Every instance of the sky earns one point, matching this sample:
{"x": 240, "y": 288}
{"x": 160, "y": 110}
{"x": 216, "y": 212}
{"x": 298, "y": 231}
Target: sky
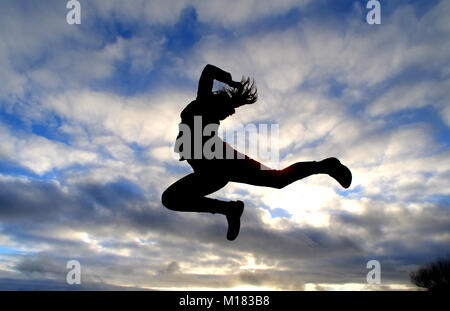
{"x": 89, "y": 114}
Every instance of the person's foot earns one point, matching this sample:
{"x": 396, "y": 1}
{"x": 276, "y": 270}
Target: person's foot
{"x": 340, "y": 172}
{"x": 234, "y": 219}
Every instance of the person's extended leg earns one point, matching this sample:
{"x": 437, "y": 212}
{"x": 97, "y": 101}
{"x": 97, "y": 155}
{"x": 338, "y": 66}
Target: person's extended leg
{"x": 188, "y": 195}
{"x": 249, "y": 171}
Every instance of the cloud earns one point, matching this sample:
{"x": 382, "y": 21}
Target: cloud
{"x": 60, "y": 222}
{"x": 413, "y": 96}
{"x": 145, "y": 120}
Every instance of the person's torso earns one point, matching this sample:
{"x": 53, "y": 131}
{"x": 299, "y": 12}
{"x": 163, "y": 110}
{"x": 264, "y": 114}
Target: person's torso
{"x": 200, "y": 119}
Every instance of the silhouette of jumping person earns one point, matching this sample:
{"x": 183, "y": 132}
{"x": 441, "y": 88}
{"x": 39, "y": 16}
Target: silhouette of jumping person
{"x": 211, "y": 174}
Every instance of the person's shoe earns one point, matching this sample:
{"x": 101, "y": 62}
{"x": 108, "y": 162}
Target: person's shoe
{"x": 340, "y": 172}
{"x": 234, "y": 219}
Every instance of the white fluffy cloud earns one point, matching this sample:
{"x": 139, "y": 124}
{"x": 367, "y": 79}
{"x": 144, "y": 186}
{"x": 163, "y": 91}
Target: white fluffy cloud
{"x": 144, "y": 120}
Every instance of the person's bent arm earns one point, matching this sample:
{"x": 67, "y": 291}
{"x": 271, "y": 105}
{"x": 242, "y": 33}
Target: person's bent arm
{"x": 211, "y": 73}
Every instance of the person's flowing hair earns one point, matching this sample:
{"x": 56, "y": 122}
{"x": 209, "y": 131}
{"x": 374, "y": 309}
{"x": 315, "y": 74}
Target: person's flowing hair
{"x": 246, "y": 94}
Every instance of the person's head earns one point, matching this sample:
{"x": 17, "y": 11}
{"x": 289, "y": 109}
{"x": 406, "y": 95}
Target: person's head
{"x": 229, "y": 98}
{"x": 245, "y": 94}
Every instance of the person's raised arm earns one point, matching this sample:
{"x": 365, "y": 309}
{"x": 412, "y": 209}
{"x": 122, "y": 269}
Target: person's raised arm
{"x": 209, "y": 74}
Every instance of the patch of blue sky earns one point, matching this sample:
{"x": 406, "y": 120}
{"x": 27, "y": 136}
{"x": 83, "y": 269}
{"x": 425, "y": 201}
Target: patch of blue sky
{"x": 48, "y": 128}
{"x": 335, "y": 88}
{"x": 440, "y": 199}
{"x": 427, "y": 113}
{"x": 391, "y": 197}
{"x": 423, "y": 115}
{"x": 185, "y": 33}
{"x": 179, "y": 39}
{"x": 10, "y": 118}
{"x": 9, "y": 168}
{"x": 80, "y": 169}
{"x": 126, "y": 189}
{"x": 297, "y": 146}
